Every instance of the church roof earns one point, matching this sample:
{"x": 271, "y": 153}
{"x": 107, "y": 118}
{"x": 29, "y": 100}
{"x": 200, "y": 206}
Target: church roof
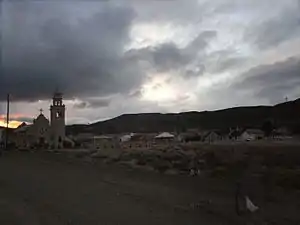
{"x": 41, "y": 117}
{"x": 23, "y": 128}
{"x": 22, "y": 125}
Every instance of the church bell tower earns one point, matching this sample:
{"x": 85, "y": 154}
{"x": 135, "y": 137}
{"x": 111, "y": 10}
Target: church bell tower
{"x": 57, "y": 123}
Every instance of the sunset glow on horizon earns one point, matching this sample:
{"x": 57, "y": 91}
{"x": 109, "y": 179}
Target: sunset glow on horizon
{"x": 11, "y": 124}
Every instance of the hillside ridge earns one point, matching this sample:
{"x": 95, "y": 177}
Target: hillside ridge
{"x": 284, "y": 114}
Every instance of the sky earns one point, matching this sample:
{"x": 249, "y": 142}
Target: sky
{"x": 114, "y": 57}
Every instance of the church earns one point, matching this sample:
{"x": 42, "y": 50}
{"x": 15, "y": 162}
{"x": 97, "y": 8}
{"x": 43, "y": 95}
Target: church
{"x": 43, "y": 133}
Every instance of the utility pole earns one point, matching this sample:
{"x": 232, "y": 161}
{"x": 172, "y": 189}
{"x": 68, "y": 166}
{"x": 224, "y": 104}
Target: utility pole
{"x": 7, "y": 122}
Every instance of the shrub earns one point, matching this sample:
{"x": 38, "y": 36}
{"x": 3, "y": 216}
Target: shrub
{"x": 161, "y": 165}
{"x": 81, "y": 154}
{"x": 141, "y": 162}
{"x": 182, "y": 165}
{"x": 67, "y": 144}
{"x": 219, "y": 172}
{"x": 288, "y": 179}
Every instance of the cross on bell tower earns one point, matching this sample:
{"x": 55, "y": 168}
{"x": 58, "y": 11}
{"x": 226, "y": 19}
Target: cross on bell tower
{"x": 57, "y": 111}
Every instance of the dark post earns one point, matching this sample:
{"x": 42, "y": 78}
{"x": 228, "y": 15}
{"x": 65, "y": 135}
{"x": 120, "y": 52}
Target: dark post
{"x": 7, "y": 122}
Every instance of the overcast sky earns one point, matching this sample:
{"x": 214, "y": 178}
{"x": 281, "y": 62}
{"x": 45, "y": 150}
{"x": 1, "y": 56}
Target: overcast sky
{"x": 116, "y": 57}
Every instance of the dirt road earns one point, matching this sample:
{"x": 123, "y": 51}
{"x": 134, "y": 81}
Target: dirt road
{"x": 43, "y": 188}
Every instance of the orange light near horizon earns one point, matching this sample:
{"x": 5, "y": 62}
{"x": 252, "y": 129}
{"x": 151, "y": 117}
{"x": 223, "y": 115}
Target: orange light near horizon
{"x": 11, "y": 124}
{"x": 14, "y": 122}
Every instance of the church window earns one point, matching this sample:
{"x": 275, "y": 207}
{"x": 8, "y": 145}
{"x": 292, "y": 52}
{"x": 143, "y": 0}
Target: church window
{"x": 57, "y": 114}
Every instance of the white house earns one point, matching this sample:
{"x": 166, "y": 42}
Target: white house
{"x": 164, "y": 139}
{"x": 126, "y": 137}
{"x": 137, "y": 141}
{"x": 165, "y": 135}
{"x": 251, "y": 135}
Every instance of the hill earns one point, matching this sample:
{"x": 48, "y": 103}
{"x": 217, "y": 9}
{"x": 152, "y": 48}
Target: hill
{"x": 285, "y": 114}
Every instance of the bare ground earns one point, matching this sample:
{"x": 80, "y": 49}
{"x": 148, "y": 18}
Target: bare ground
{"x": 47, "y": 188}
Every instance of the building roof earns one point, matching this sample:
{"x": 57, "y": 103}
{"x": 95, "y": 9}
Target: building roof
{"x": 254, "y": 131}
{"x": 126, "y": 137}
{"x": 102, "y": 137}
{"x": 22, "y": 128}
{"x": 165, "y": 135}
{"x": 235, "y": 133}
{"x": 137, "y": 137}
{"x": 22, "y": 125}
{"x": 41, "y": 117}
{"x": 281, "y": 131}
{"x": 207, "y": 133}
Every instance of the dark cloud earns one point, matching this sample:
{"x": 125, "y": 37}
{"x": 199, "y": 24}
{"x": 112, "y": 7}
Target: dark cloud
{"x": 228, "y": 63}
{"x": 272, "y": 32}
{"x": 80, "y": 47}
{"x": 223, "y": 60}
{"x": 93, "y": 103}
{"x": 136, "y": 93}
{"x": 180, "y": 13}
{"x": 2, "y": 108}
{"x": 81, "y": 105}
{"x": 169, "y": 57}
{"x": 194, "y": 70}
{"x": 273, "y": 82}
{"x": 82, "y": 58}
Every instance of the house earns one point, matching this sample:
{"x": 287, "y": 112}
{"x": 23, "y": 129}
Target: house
{"x": 137, "y": 141}
{"x": 251, "y": 135}
{"x": 126, "y": 137}
{"x": 164, "y": 138}
{"x": 7, "y": 133}
{"x": 84, "y": 140}
{"x": 105, "y": 142}
{"x": 235, "y": 133}
{"x": 223, "y": 133}
{"x": 211, "y": 136}
{"x": 281, "y": 133}
{"x": 189, "y": 137}
{"x": 23, "y": 137}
